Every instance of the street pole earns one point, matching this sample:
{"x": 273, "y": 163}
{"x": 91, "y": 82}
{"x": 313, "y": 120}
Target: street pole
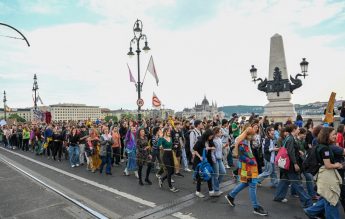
{"x": 5, "y": 104}
{"x": 138, "y": 35}
{"x": 35, "y": 88}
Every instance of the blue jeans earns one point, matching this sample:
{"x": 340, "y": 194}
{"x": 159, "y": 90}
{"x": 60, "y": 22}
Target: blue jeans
{"x": 73, "y": 152}
{"x": 219, "y": 172}
{"x": 105, "y": 160}
{"x": 310, "y": 184}
{"x": 322, "y": 205}
{"x": 252, "y": 191}
{"x": 269, "y": 171}
{"x": 287, "y": 178}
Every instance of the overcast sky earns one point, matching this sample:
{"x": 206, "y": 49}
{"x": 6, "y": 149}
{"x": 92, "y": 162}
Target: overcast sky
{"x": 78, "y": 50}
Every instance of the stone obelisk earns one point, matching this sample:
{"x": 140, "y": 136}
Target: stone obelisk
{"x": 279, "y": 107}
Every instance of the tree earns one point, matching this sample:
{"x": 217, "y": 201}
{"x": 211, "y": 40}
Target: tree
{"x": 17, "y": 117}
{"x": 114, "y": 118}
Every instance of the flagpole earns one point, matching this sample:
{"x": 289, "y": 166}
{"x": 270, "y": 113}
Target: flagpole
{"x": 146, "y": 70}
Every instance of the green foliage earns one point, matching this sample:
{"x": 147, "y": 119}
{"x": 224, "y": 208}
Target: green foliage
{"x": 114, "y": 118}
{"x": 17, "y": 117}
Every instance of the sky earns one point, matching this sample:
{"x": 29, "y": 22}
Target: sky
{"x": 79, "y": 50}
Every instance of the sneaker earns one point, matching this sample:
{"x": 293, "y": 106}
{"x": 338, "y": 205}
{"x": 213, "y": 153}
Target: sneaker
{"x": 173, "y": 189}
{"x": 136, "y": 174}
{"x": 179, "y": 174}
{"x": 187, "y": 169}
{"x": 172, "y": 181}
{"x": 218, "y": 193}
{"x": 158, "y": 176}
{"x": 230, "y": 200}
{"x": 227, "y": 166}
{"x": 160, "y": 182}
{"x": 77, "y": 165}
{"x": 199, "y": 194}
{"x": 73, "y": 166}
{"x": 125, "y": 172}
{"x": 310, "y": 216}
{"x": 260, "y": 211}
{"x": 211, "y": 194}
{"x": 282, "y": 201}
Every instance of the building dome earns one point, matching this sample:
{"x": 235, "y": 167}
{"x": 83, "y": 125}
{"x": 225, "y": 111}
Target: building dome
{"x": 205, "y": 102}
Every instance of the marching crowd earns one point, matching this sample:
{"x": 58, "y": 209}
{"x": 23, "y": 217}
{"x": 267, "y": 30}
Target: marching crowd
{"x": 254, "y": 149}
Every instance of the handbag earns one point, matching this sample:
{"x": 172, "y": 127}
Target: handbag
{"x": 204, "y": 168}
{"x": 282, "y": 159}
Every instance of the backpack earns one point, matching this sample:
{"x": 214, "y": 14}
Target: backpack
{"x": 266, "y": 146}
{"x": 312, "y": 162}
{"x": 203, "y": 169}
{"x": 282, "y": 159}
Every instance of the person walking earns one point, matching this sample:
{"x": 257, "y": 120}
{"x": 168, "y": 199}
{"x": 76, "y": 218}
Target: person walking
{"x": 143, "y": 156}
{"x": 204, "y": 143}
{"x": 292, "y": 175}
{"x": 131, "y": 148}
{"x": 217, "y": 163}
{"x": 73, "y": 149}
{"x": 248, "y": 172}
{"x": 106, "y": 152}
{"x": 165, "y": 142}
{"x": 116, "y": 147}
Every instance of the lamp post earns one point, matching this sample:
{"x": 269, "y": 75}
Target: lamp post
{"x": 138, "y": 35}
{"x": 34, "y": 89}
{"x": 5, "y": 100}
{"x": 278, "y": 84}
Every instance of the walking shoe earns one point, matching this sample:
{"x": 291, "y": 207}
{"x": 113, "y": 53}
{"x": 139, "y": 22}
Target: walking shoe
{"x": 218, "y": 193}
{"x": 227, "y": 166}
{"x": 160, "y": 182}
{"x": 77, "y": 165}
{"x": 212, "y": 194}
{"x": 173, "y": 189}
{"x": 125, "y": 172}
{"x": 282, "y": 201}
{"x": 73, "y": 166}
{"x": 172, "y": 181}
{"x": 158, "y": 176}
{"x": 179, "y": 174}
{"x": 141, "y": 182}
{"x": 187, "y": 169}
{"x": 136, "y": 174}
{"x": 230, "y": 200}
{"x": 260, "y": 211}
{"x": 148, "y": 181}
{"x": 310, "y": 216}
{"x": 199, "y": 194}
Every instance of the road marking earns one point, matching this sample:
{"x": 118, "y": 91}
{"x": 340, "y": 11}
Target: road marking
{"x": 183, "y": 216}
{"x": 91, "y": 211}
{"x": 93, "y": 183}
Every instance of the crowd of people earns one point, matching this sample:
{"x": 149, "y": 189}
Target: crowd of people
{"x": 251, "y": 150}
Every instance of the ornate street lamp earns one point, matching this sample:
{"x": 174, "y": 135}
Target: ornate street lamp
{"x": 278, "y": 84}
{"x": 34, "y": 89}
{"x": 5, "y": 100}
{"x": 138, "y": 36}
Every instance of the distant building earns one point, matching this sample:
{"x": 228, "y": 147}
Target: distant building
{"x": 25, "y": 113}
{"x": 148, "y": 113}
{"x": 75, "y": 112}
{"x": 201, "y": 110}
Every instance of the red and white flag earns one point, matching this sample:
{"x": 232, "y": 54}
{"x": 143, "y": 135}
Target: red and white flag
{"x": 156, "y": 103}
{"x": 151, "y": 68}
{"x": 131, "y": 78}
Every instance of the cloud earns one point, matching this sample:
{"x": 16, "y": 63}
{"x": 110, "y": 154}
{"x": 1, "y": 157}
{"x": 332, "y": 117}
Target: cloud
{"x": 86, "y": 62}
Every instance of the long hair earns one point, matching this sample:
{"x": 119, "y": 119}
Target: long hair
{"x": 323, "y": 137}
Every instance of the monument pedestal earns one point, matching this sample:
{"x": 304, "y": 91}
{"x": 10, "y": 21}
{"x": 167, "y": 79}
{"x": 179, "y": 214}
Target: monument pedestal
{"x": 279, "y": 107}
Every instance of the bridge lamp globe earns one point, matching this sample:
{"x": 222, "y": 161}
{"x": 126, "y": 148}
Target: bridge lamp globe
{"x": 254, "y": 72}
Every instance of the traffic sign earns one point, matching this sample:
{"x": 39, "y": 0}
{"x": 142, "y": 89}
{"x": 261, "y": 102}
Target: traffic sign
{"x": 140, "y": 102}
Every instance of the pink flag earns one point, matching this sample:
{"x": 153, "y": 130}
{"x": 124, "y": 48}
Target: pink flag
{"x": 151, "y": 68}
{"x": 131, "y": 78}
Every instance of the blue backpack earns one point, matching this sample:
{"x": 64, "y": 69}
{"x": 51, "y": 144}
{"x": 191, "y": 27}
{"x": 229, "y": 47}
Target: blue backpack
{"x": 204, "y": 169}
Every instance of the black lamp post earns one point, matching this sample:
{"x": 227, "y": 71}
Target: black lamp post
{"x": 34, "y": 89}
{"x": 278, "y": 84}
{"x": 5, "y": 100}
{"x": 138, "y": 35}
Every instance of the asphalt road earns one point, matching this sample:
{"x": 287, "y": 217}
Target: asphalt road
{"x": 117, "y": 196}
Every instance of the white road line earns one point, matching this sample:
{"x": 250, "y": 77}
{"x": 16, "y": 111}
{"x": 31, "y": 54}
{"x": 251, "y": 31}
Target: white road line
{"x": 93, "y": 183}
{"x": 183, "y": 216}
{"x": 91, "y": 211}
